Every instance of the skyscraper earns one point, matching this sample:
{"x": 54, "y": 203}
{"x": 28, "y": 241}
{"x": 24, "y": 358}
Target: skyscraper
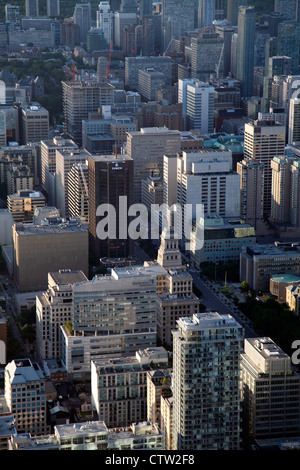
{"x": 180, "y": 15}
{"x": 200, "y": 107}
{"x": 206, "y": 13}
{"x": 53, "y": 8}
{"x": 110, "y": 178}
{"x": 206, "y": 383}
{"x": 286, "y": 43}
{"x": 263, "y": 140}
{"x": 32, "y": 7}
{"x": 105, "y": 20}
{"x": 83, "y": 17}
{"x": 251, "y": 173}
{"x": 233, "y": 10}
{"x": 245, "y": 49}
{"x": 294, "y": 121}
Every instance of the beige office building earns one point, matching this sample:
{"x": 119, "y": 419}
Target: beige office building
{"x": 270, "y": 391}
{"x": 35, "y": 123}
{"x": 23, "y": 204}
{"x": 40, "y": 249}
{"x": 147, "y": 148}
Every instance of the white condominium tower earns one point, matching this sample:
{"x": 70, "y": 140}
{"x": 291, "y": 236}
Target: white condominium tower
{"x": 105, "y": 20}
{"x": 206, "y": 383}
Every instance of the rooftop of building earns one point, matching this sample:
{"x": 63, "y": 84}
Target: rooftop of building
{"x": 83, "y": 429}
{"x": 23, "y": 370}
{"x": 267, "y": 348}
{"x": 67, "y": 277}
{"x": 24, "y": 194}
{"x": 111, "y": 158}
{"x": 207, "y": 320}
{"x": 285, "y": 278}
{"x": 50, "y": 226}
{"x": 276, "y": 249}
{"x": 140, "y": 429}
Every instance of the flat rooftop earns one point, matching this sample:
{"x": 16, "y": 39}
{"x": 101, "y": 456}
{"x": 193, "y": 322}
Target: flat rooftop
{"x": 66, "y": 277}
{"x": 51, "y": 228}
{"x": 84, "y": 429}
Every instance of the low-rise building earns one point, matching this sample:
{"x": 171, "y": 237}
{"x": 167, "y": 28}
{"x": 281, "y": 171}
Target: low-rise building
{"x": 258, "y": 263}
{"x": 223, "y": 239}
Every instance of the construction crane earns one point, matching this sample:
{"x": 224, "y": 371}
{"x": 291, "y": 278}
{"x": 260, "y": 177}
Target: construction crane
{"x": 218, "y": 65}
{"x": 71, "y": 72}
{"x": 109, "y": 61}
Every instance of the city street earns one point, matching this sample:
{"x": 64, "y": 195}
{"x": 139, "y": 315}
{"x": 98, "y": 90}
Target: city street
{"x": 216, "y": 302}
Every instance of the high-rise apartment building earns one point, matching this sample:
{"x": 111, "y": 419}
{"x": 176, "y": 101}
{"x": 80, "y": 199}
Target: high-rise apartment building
{"x": 80, "y": 98}
{"x": 271, "y": 391}
{"x": 245, "y": 49}
{"x": 110, "y": 179}
{"x": 65, "y": 159}
{"x": 294, "y": 122}
{"x": 53, "y": 309}
{"x": 280, "y": 191}
{"x": 53, "y": 8}
{"x": 78, "y": 196}
{"x": 207, "y": 56}
{"x": 25, "y": 396}
{"x": 147, "y": 148}
{"x": 251, "y": 173}
{"x": 105, "y": 20}
{"x": 206, "y": 383}
{"x": 32, "y": 7}
{"x": 83, "y": 17}
{"x": 262, "y": 141}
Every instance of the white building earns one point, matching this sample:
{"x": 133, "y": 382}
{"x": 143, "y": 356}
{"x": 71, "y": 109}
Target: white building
{"x": 26, "y": 396}
{"x": 197, "y": 100}
{"x": 53, "y": 309}
{"x": 113, "y": 315}
{"x": 105, "y": 20}
{"x": 206, "y": 383}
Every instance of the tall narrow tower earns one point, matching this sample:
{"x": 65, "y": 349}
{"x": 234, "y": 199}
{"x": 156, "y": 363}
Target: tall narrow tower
{"x": 206, "y": 383}
{"x": 245, "y": 49}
